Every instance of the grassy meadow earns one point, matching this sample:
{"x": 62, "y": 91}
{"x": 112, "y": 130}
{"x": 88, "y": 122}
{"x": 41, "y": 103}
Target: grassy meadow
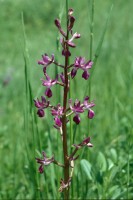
{"x": 102, "y": 172}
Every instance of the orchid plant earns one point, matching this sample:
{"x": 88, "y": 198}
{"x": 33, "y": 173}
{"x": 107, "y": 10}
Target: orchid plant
{"x": 61, "y": 113}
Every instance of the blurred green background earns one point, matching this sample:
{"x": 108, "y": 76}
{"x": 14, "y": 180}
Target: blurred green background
{"x": 105, "y": 171}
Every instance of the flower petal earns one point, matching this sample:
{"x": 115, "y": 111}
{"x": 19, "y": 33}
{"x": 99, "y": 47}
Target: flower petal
{"x": 41, "y": 113}
{"x": 76, "y": 119}
{"x": 91, "y": 114}
{"x": 48, "y": 92}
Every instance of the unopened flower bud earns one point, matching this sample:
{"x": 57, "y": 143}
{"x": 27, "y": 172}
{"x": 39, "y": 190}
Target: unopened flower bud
{"x": 70, "y": 11}
{"x": 57, "y": 23}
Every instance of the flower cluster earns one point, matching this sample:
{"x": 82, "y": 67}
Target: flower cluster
{"x": 57, "y": 111}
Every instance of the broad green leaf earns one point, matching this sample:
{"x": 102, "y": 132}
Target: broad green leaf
{"x": 114, "y": 170}
{"x": 110, "y": 163}
{"x": 86, "y": 167}
{"x": 113, "y": 154}
{"x": 101, "y": 162}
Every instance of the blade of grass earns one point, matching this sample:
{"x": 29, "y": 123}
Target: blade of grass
{"x": 28, "y": 118}
{"x": 99, "y": 46}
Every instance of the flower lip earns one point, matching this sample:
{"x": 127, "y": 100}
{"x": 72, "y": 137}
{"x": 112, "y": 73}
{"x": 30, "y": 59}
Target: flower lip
{"x": 58, "y": 122}
{"x": 48, "y": 92}
{"x": 76, "y": 119}
{"x": 40, "y": 113}
{"x": 91, "y": 114}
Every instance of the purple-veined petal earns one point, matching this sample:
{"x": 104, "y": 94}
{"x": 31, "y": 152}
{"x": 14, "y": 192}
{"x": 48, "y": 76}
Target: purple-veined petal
{"x": 79, "y": 62}
{"x": 71, "y": 44}
{"x": 86, "y": 99}
{"x": 77, "y": 35}
{"x": 89, "y": 64}
{"x": 41, "y": 62}
{"x": 46, "y": 59}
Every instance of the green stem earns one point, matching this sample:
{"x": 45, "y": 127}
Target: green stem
{"x": 91, "y": 46}
{"x": 91, "y": 37}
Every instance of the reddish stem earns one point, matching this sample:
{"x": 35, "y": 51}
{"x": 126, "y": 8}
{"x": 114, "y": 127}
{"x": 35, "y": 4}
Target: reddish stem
{"x": 64, "y": 120}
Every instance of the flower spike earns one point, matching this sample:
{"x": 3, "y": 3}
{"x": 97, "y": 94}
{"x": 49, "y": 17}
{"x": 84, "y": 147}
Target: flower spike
{"x": 61, "y": 111}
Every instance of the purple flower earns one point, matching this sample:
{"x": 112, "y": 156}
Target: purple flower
{"x": 48, "y": 83}
{"x": 74, "y": 36}
{"x": 41, "y": 105}
{"x": 77, "y": 108}
{"x": 81, "y": 64}
{"x": 44, "y": 162}
{"x": 40, "y": 113}
{"x": 64, "y": 185}
{"x": 87, "y": 106}
{"x": 57, "y": 111}
{"x": 76, "y": 119}
{"x": 46, "y": 60}
{"x": 58, "y": 123}
{"x": 85, "y": 142}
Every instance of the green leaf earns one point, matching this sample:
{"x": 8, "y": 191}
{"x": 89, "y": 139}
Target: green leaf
{"x": 114, "y": 170}
{"x": 110, "y": 163}
{"x": 113, "y": 154}
{"x": 101, "y": 162}
{"x": 86, "y": 168}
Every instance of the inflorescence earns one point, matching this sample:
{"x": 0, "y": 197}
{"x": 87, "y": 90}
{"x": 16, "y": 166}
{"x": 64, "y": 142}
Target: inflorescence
{"x": 75, "y": 108}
